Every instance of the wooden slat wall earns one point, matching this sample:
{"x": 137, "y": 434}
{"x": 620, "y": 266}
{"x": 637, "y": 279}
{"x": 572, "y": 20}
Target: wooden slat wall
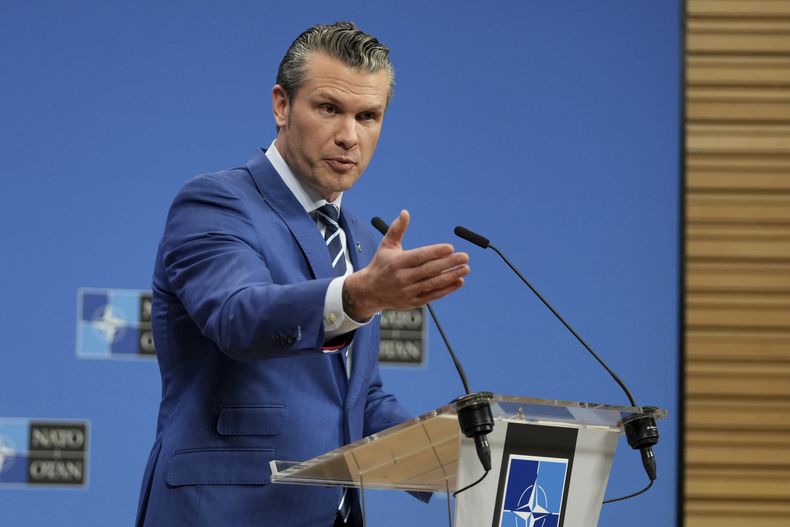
{"x": 737, "y": 412}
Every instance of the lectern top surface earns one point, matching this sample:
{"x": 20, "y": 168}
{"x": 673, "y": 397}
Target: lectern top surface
{"x": 421, "y": 454}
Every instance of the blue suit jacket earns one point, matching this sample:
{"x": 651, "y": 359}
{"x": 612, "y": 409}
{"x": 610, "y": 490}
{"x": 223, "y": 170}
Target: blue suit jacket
{"x": 239, "y": 288}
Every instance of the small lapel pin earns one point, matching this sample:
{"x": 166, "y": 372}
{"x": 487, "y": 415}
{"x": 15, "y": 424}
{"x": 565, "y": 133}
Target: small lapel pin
{"x": 359, "y": 247}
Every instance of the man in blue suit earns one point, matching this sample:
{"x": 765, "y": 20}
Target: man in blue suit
{"x": 266, "y": 294}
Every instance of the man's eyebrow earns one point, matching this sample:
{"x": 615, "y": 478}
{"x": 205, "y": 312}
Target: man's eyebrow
{"x": 326, "y": 96}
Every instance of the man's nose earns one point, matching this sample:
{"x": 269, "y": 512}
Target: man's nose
{"x": 346, "y": 134}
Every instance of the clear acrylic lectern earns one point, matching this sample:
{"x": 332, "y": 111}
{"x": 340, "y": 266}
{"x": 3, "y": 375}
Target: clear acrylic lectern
{"x": 550, "y": 461}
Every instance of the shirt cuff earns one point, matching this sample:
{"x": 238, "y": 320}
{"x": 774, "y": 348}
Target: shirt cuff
{"x": 336, "y": 321}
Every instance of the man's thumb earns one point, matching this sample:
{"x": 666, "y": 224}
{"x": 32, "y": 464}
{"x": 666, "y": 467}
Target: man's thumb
{"x": 398, "y": 228}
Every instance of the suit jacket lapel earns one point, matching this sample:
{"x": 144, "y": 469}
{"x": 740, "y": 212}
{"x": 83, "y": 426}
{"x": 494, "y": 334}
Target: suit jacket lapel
{"x": 284, "y": 203}
{"x": 350, "y": 224}
{"x": 360, "y": 256}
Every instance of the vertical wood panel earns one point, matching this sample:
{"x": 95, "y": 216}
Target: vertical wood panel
{"x": 737, "y": 269}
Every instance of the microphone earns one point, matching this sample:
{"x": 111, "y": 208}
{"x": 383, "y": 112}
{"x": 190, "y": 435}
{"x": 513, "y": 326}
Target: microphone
{"x": 380, "y": 225}
{"x": 466, "y": 234}
{"x": 640, "y": 429}
{"x": 473, "y": 409}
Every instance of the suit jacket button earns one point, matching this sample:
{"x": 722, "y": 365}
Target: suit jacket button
{"x": 291, "y": 339}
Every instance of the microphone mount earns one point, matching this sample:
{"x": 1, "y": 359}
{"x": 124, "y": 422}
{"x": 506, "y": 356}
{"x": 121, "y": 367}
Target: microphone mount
{"x": 476, "y": 422}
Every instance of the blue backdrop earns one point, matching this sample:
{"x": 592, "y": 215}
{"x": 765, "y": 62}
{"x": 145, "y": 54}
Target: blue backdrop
{"x": 552, "y": 127}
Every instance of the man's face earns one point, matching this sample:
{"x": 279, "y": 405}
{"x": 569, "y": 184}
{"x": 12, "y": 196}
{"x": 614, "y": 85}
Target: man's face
{"x": 329, "y": 130}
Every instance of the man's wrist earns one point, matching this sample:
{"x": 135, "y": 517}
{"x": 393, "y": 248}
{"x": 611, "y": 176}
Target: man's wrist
{"x": 354, "y": 299}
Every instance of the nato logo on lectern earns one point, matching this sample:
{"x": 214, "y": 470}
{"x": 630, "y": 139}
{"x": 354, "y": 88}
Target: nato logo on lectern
{"x": 114, "y": 323}
{"x": 36, "y": 453}
{"x": 534, "y": 489}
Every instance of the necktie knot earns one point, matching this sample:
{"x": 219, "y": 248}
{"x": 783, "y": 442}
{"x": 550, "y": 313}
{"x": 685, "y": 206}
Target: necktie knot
{"x": 328, "y": 214}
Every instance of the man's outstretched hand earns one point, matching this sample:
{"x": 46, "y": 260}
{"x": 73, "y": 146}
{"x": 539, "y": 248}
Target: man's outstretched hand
{"x": 400, "y": 279}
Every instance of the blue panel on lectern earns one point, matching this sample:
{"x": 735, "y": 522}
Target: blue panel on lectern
{"x": 533, "y": 493}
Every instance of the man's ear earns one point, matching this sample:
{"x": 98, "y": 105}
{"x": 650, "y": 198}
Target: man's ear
{"x": 280, "y": 105}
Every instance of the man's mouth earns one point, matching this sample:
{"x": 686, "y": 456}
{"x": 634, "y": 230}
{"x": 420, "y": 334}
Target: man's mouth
{"x": 341, "y": 164}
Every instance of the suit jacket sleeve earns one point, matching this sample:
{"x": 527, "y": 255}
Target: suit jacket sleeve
{"x": 214, "y": 254}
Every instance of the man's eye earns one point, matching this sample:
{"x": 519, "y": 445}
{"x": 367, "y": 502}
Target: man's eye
{"x": 366, "y": 116}
{"x": 328, "y": 108}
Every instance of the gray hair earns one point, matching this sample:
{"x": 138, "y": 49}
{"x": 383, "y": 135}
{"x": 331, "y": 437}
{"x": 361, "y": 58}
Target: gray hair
{"x": 341, "y": 40}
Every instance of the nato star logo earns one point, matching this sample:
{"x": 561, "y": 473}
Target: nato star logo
{"x": 109, "y": 323}
{"x": 534, "y": 511}
{"x": 534, "y": 491}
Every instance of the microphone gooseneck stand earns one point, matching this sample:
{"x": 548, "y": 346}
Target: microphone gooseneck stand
{"x": 640, "y": 428}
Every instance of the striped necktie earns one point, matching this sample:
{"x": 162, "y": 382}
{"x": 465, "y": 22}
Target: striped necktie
{"x": 330, "y": 215}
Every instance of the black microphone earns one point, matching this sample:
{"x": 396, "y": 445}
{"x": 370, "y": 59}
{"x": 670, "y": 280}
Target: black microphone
{"x": 380, "y": 225}
{"x": 466, "y": 234}
{"x": 474, "y": 410}
{"x": 640, "y": 429}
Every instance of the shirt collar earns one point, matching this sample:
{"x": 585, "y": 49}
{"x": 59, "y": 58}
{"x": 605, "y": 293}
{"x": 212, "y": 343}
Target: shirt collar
{"x": 307, "y": 197}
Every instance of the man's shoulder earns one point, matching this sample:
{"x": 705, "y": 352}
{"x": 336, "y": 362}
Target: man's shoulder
{"x": 243, "y": 180}
{"x": 232, "y": 179}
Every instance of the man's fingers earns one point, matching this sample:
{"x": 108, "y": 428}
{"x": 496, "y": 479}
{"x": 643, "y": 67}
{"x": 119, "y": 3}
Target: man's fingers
{"x": 394, "y": 235}
{"x": 436, "y": 282}
{"x": 436, "y": 294}
{"x": 435, "y": 267}
{"x": 421, "y": 255}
